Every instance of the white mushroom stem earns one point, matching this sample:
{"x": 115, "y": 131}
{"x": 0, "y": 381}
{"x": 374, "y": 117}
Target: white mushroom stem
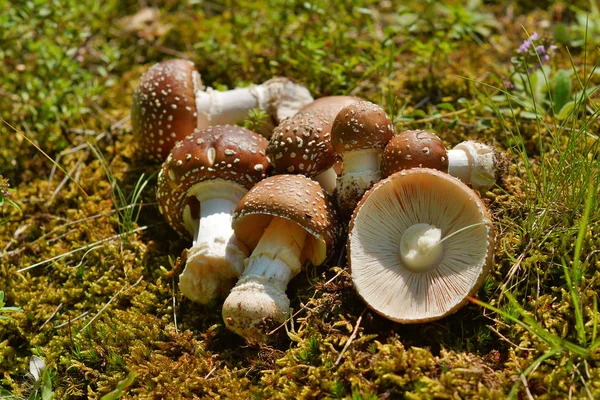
{"x": 216, "y": 258}
{"x": 421, "y": 247}
{"x": 327, "y": 180}
{"x": 473, "y": 163}
{"x": 259, "y": 296}
{"x": 279, "y": 97}
{"x": 361, "y": 170}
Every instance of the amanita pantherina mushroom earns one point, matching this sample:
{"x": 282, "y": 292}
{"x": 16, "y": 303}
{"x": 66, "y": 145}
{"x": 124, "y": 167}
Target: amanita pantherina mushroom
{"x": 474, "y": 163}
{"x": 359, "y": 134}
{"x": 285, "y": 220}
{"x": 170, "y": 102}
{"x": 302, "y": 144}
{"x": 200, "y": 183}
{"x": 420, "y": 241}
{"x": 414, "y": 149}
{"x": 164, "y": 107}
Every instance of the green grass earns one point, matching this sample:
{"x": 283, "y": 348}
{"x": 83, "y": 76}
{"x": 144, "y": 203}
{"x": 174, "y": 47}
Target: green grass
{"x": 88, "y": 261}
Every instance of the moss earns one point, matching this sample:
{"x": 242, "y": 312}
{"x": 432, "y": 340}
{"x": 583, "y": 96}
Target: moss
{"x": 128, "y": 284}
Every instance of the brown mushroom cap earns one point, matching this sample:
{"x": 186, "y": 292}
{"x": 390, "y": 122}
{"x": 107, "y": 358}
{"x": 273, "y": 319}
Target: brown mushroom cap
{"x": 164, "y": 107}
{"x": 302, "y": 144}
{"x": 329, "y": 106}
{"x": 361, "y": 125}
{"x": 295, "y": 198}
{"x": 225, "y": 152}
{"x": 382, "y": 277}
{"x": 414, "y": 149}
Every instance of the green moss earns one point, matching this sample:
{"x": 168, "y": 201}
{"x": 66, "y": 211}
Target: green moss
{"x": 128, "y": 287}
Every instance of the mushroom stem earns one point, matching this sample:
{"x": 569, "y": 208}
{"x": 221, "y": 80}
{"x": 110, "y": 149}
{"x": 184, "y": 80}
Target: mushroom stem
{"x": 421, "y": 247}
{"x": 474, "y": 163}
{"x": 259, "y": 296}
{"x": 361, "y": 170}
{"x": 279, "y": 97}
{"x": 327, "y": 179}
{"x": 216, "y": 258}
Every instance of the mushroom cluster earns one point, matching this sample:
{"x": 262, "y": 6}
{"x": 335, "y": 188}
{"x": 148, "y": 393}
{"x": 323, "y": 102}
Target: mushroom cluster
{"x": 258, "y": 210}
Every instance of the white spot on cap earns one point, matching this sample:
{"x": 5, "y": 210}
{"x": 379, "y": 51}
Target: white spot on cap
{"x": 211, "y": 154}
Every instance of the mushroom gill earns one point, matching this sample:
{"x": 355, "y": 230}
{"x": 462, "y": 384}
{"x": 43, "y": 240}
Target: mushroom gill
{"x": 420, "y": 242}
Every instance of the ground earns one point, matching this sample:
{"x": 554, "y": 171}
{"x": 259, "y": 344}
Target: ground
{"x": 92, "y": 267}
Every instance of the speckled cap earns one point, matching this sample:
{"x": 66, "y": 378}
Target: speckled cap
{"x": 295, "y": 198}
{"x": 361, "y": 125}
{"x": 414, "y": 149}
{"x": 226, "y": 152}
{"x": 164, "y": 107}
{"x": 302, "y": 143}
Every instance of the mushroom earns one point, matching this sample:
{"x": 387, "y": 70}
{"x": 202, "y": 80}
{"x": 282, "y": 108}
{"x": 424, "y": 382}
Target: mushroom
{"x": 420, "y": 241}
{"x": 302, "y": 144}
{"x": 199, "y": 185}
{"x": 285, "y": 220}
{"x": 475, "y": 163}
{"x": 164, "y": 107}
{"x": 414, "y": 149}
{"x": 359, "y": 134}
{"x": 170, "y": 101}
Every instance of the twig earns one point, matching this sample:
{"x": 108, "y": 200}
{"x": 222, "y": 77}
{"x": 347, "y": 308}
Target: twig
{"x": 335, "y": 277}
{"x": 86, "y": 247}
{"x": 72, "y": 320}
{"x": 210, "y": 373}
{"x": 174, "y": 305}
{"x": 508, "y": 340}
{"x": 587, "y": 389}
{"x": 351, "y": 338}
{"x": 111, "y": 300}
{"x": 52, "y": 316}
{"x": 526, "y": 386}
{"x": 286, "y": 321}
{"x": 64, "y": 181}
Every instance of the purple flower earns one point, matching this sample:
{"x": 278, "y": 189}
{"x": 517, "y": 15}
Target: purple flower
{"x": 524, "y": 47}
{"x": 508, "y": 85}
{"x": 534, "y": 51}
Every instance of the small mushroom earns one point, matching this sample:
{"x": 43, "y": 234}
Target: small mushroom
{"x": 414, "y": 149}
{"x": 359, "y": 134}
{"x": 302, "y": 144}
{"x": 420, "y": 241}
{"x": 285, "y": 220}
{"x": 170, "y": 101}
{"x": 475, "y": 163}
{"x": 200, "y": 183}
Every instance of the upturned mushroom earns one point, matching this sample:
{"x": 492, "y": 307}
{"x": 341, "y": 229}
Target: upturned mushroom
{"x": 420, "y": 242}
{"x": 359, "y": 134}
{"x": 170, "y": 101}
{"x": 302, "y": 144}
{"x": 475, "y": 163}
{"x": 285, "y": 220}
{"x": 200, "y": 184}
